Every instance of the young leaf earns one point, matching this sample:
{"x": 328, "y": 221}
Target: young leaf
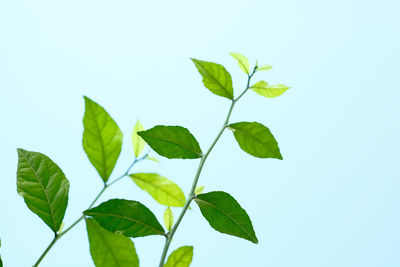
{"x": 256, "y": 139}
{"x": 152, "y": 159}
{"x": 264, "y": 67}
{"x": 262, "y": 88}
{"x": 173, "y": 142}
{"x": 102, "y": 138}
{"x": 128, "y": 217}
{"x": 43, "y": 186}
{"x": 182, "y": 257}
{"x": 198, "y": 190}
{"x": 243, "y": 62}
{"x": 168, "y": 219}
{"x": 164, "y": 191}
{"x": 215, "y": 78}
{"x": 225, "y": 215}
{"x": 109, "y": 249}
{"x": 137, "y": 141}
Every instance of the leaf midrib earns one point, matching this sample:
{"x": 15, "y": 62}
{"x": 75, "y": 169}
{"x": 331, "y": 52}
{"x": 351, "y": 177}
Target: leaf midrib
{"x": 215, "y": 207}
{"x": 247, "y": 133}
{"x": 157, "y": 187}
{"x": 45, "y": 193}
{"x": 126, "y": 218}
{"x": 170, "y": 141}
{"x": 101, "y": 141}
{"x": 213, "y": 78}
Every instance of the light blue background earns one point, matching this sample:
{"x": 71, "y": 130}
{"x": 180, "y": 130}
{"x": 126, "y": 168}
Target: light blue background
{"x": 334, "y": 199}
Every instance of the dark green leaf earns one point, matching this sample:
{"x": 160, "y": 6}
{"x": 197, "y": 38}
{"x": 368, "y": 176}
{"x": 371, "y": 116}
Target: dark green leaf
{"x": 225, "y": 215}
{"x": 215, "y": 78}
{"x": 172, "y": 142}
{"x": 128, "y": 217}
{"x": 181, "y": 257}
{"x": 109, "y": 249}
{"x": 256, "y": 139}
{"x": 102, "y": 138}
{"x": 43, "y": 186}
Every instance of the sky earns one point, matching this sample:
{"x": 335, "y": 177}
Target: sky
{"x": 332, "y": 201}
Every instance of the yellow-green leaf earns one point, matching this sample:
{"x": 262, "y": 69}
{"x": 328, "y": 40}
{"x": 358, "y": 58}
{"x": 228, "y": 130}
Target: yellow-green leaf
{"x": 102, "y": 138}
{"x": 262, "y": 88}
{"x": 243, "y": 62}
{"x": 182, "y": 257}
{"x": 137, "y": 141}
{"x": 168, "y": 219}
{"x": 264, "y": 67}
{"x": 198, "y": 190}
{"x": 164, "y": 191}
{"x": 152, "y": 159}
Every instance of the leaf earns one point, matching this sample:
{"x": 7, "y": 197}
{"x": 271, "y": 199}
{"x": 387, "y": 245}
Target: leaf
{"x": 198, "y": 190}
{"x": 225, "y": 215}
{"x": 262, "y": 88}
{"x": 172, "y": 142}
{"x": 137, "y": 141}
{"x": 264, "y": 68}
{"x": 109, "y": 249}
{"x": 152, "y": 159}
{"x": 243, "y": 62}
{"x": 168, "y": 219}
{"x": 256, "y": 139}
{"x": 1, "y": 262}
{"x": 215, "y": 78}
{"x": 43, "y": 186}
{"x": 164, "y": 191}
{"x": 128, "y": 217}
{"x": 102, "y": 138}
{"x": 182, "y": 257}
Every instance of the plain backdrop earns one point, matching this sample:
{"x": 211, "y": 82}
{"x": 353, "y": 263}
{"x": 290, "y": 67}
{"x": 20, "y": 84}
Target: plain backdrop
{"x": 334, "y": 199}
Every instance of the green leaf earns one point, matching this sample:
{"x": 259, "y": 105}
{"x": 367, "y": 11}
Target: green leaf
{"x": 256, "y": 139}
{"x": 264, "y": 68}
{"x": 198, "y": 190}
{"x": 262, "y": 88}
{"x": 164, "y": 191}
{"x": 102, "y": 138}
{"x": 225, "y": 215}
{"x": 137, "y": 141}
{"x": 173, "y": 142}
{"x": 152, "y": 159}
{"x": 168, "y": 219}
{"x": 182, "y": 257}
{"x": 243, "y": 62}
{"x": 215, "y": 78}
{"x": 1, "y": 262}
{"x": 128, "y": 217}
{"x": 43, "y": 186}
{"x": 109, "y": 249}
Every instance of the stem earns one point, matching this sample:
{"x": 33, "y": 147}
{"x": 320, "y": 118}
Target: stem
{"x": 47, "y": 250}
{"x": 57, "y": 236}
{"x": 197, "y": 175}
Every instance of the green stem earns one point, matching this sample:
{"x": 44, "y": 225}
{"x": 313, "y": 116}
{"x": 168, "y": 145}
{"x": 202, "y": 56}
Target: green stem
{"x": 197, "y": 175}
{"x": 47, "y": 250}
{"x": 59, "y": 235}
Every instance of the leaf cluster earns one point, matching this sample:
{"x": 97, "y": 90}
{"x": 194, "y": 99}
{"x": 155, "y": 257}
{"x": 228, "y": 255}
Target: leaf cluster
{"x": 113, "y": 224}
